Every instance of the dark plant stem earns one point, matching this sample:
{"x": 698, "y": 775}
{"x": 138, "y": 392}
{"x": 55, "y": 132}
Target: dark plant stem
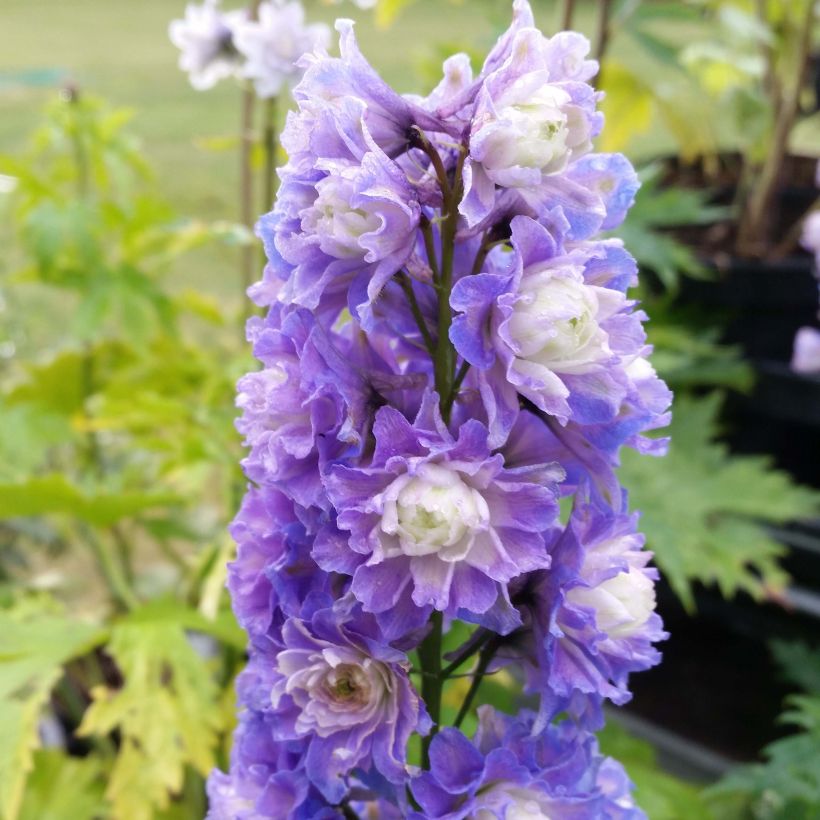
{"x": 429, "y": 245}
{"x": 752, "y": 232}
{"x": 484, "y": 661}
{"x": 567, "y": 12}
{"x": 407, "y": 287}
{"x": 792, "y": 237}
{"x": 445, "y": 359}
{"x": 246, "y": 142}
{"x": 347, "y": 812}
{"x": 466, "y": 653}
{"x": 247, "y": 139}
{"x": 121, "y": 592}
{"x": 271, "y": 108}
{"x": 602, "y": 32}
{"x": 431, "y": 682}
{"x": 456, "y": 386}
{"x": 771, "y": 82}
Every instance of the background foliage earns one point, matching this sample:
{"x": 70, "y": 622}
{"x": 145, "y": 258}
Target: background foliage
{"x": 121, "y": 342}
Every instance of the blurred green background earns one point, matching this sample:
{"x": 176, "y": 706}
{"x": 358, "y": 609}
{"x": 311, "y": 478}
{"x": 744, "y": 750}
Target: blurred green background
{"x": 121, "y": 316}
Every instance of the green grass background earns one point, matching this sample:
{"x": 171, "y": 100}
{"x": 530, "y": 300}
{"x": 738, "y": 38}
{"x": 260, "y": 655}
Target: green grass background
{"x": 119, "y": 49}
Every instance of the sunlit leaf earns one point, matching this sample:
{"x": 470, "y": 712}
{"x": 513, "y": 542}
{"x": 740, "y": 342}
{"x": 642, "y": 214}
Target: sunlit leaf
{"x": 56, "y": 494}
{"x": 166, "y": 713}
{"x": 32, "y": 653}
{"x": 63, "y": 788}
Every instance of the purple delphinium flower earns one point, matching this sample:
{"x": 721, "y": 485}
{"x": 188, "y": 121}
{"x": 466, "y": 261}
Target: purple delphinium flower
{"x": 307, "y": 405}
{"x": 590, "y": 620}
{"x": 273, "y": 570}
{"x": 448, "y": 348}
{"x": 509, "y": 772}
{"x": 806, "y": 357}
{"x": 439, "y": 516}
{"x": 332, "y": 681}
{"x": 553, "y": 325}
{"x": 267, "y": 778}
{"x": 345, "y": 221}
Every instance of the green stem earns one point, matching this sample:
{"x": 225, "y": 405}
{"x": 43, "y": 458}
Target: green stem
{"x": 121, "y": 592}
{"x": 429, "y": 246}
{"x": 431, "y": 681}
{"x": 269, "y": 193}
{"x": 466, "y": 654}
{"x": 567, "y": 11}
{"x": 445, "y": 360}
{"x": 484, "y": 660}
{"x": 125, "y": 552}
{"x": 407, "y": 287}
{"x": 246, "y": 141}
{"x": 457, "y": 382}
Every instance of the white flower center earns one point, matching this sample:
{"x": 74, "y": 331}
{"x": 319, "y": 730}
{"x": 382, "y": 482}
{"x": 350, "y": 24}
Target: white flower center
{"x": 337, "y": 226}
{"x": 334, "y": 688}
{"x": 622, "y": 604}
{"x": 554, "y": 323}
{"x": 433, "y": 510}
{"x": 537, "y": 127}
{"x": 526, "y": 804}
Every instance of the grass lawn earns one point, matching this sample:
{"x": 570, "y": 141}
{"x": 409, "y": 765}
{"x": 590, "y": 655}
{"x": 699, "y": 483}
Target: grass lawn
{"x": 119, "y": 49}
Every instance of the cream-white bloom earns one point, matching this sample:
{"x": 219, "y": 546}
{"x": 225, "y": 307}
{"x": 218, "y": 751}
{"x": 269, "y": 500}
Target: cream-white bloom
{"x": 519, "y": 803}
{"x": 434, "y": 512}
{"x": 273, "y": 43}
{"x": 624, "y": 602}
{"x": 534, "y": 129}
{"x": 205, "y": 38}
{"x": 555, "y": 326}
{"x": 334, "y": 222}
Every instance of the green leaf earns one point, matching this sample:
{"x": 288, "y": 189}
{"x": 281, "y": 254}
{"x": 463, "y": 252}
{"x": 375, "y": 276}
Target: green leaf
{"x": 656, "y": 210}
{"x": 704, "y": 511}
{"x": 56, "y": 494}
{"x": 688, "y": 359}
{"x": 787, "y": 785}
{"x": 166, "y": 713}
{"x": 660, "y": 795}
{"x": 63, "y": 788}
{"x": 32, "y": 653}
{"x": 800, "y": 664}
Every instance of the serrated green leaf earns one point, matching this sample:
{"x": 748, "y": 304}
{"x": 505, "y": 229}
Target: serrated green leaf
{"x": 704, "y": 511}
{"x": 800, "y": 663}
{"x": 166, "y": 713}
{"x": 63, "y": 788}
{"x": 32, "y": 653}
{"x": 55, "y": 494}
{"x": 787, "y": 785}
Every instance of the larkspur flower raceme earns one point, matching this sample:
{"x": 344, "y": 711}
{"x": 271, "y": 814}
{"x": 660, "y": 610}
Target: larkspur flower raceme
{"x": 449, "y": 351}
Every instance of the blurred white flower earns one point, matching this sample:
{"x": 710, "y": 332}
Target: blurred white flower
{"x": 273, "y": 43}
{"x": 362, "y": 4}
{"x": 205, "y": 36}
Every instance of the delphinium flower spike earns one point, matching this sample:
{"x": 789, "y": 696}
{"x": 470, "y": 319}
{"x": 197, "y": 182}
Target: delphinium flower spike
{"x": 449, "y": 350}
